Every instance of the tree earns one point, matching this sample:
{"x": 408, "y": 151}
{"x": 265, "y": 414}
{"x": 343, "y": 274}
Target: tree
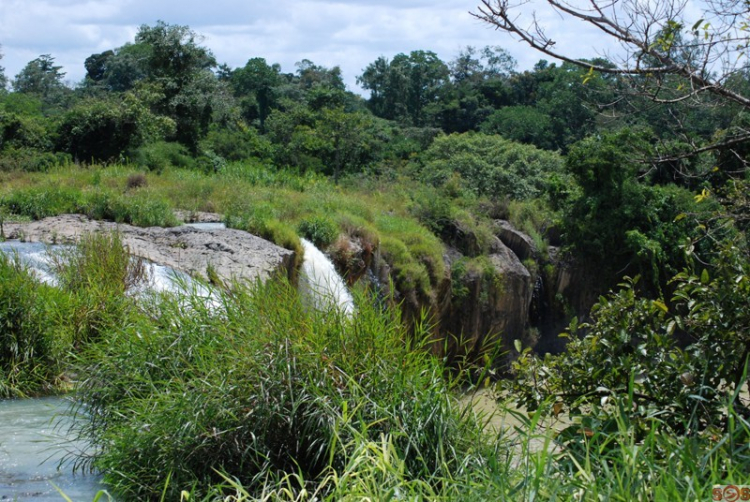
{"x": 405, "y": 88}
{"x": 255, "y": 84}
{"x": 43, "y": 79}
{"x": 3, "y": 78}
{"x": 702, "y": 55}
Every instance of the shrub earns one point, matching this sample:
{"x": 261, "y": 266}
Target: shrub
{"x": 161, "y": 155}
{"x": 136, "y": 180}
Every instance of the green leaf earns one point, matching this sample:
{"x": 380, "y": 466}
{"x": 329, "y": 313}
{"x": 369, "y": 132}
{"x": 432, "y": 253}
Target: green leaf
{"x": 661, "y": 305}
{"x": 704, "y": 276}
{"x": 517, "y": 345}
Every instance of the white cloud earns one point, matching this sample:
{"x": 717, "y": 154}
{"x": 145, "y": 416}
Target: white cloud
{"x": 350, "y": 34}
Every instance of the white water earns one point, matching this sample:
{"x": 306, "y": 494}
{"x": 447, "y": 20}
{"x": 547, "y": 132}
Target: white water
{"x": 36, "y": 256}
{"x": 320, "y": 281}
{"x": 207, "y": 225}
{"x": 32, "y": 443}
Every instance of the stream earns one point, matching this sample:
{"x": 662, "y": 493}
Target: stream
{"x": 32, "y": 443}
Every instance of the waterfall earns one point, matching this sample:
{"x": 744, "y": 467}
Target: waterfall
{"x": 36, "y": 257}
{"x": 320, "y": 281}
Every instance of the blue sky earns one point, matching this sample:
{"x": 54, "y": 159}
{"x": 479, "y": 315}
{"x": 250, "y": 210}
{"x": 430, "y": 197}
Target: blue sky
{"x": 350, "y": 34}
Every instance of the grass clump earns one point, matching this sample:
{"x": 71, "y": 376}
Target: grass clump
{"x": 140, "y": 209}
{"x": 30, "y": 345}
{"x": 41, "y": 202}
{"x": 319, "y": 230}
{"x": 97, "y": 274}
{"x": 266, "y": 390}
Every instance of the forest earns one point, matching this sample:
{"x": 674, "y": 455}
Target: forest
{"x": 567, "y": 242}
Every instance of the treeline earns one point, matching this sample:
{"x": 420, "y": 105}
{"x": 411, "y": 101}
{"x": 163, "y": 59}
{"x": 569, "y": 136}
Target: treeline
{"x": 578, "y": 143}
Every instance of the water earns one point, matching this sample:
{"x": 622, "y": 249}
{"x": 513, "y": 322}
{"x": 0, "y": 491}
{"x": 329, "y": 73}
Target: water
{"x": 320, "y": 281}
{"x": 32, "y": 443}
{"x": 35, "y": 256}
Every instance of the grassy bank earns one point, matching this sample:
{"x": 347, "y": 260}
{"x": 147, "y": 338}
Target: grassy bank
{"x": 277, "y": 205}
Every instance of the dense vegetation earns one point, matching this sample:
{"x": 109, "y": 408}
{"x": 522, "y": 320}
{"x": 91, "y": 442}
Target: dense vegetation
{"x": 264, "y": 398}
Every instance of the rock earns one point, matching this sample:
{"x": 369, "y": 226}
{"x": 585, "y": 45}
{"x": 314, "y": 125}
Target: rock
{"x": 489, "y": 308}
{"x": 520, "y": 243}
{"x": 234, "y": 254}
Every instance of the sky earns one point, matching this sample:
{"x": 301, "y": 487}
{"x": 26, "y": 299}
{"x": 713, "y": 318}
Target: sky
{"x": 350, "y": 34}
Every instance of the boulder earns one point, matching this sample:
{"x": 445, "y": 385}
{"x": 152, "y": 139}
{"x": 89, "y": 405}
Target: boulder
{"x": 490, "y": 304}
{"x": 520, "y": 243}
{"x": 233, "y": 254}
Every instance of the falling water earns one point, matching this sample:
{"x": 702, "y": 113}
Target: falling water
{"x": 37, "y": 258}
{"x": 320, "y": 281}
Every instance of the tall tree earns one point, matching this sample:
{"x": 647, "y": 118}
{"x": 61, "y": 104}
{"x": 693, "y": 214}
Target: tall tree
{"x": 254, "y": 83}
{"x": 405, "y": 88}
{"x": 43, "y": 79}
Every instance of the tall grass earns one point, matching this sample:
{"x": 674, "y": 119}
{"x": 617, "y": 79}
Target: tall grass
{"x": 97, "y": 274}
{"x": 31, "y": 347}
{"x": 266, "y": 390}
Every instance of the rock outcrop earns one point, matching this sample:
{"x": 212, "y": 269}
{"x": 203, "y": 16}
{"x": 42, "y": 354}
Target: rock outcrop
{"x": 233, "y": 254}
{"x": 521, "y": 244}
{"x": 490, "y": 302}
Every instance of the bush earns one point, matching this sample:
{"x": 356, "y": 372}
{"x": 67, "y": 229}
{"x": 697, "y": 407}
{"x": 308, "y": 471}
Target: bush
{"x": 490, "y": 166}
{"x": 31, "y": 160}
{"x": 161, "y": 155}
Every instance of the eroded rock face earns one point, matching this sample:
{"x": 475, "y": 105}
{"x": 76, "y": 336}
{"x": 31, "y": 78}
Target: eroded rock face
{"x": 492, "y": 306}
{"x": 521, "y": 244}
{"x": 234, "y": 254}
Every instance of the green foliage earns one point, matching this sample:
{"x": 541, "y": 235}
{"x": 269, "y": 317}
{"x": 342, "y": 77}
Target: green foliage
{"x": 41, "y": 202}
{"x": 632, "y": 348}
{"x": 236, "y": 145}
{"x": 105, "y": 129}
{"x": 490, "y": 165}
{"x": 321, "y": 231}
{"x": 623, "y": 224}
{"x": 405, "y": 88}
{"x": 23, "y": 131}
{"x": 32, "y": 160}
{"x": 97, "y": 130}
{"x": 268, "y": 388}
{"x": 42, "y": 79}
{"x": 142, "y": 209}
{"x": 161, "y": 155}
{"x": 97, "y": 273}
{"x": 522, "y": 124}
